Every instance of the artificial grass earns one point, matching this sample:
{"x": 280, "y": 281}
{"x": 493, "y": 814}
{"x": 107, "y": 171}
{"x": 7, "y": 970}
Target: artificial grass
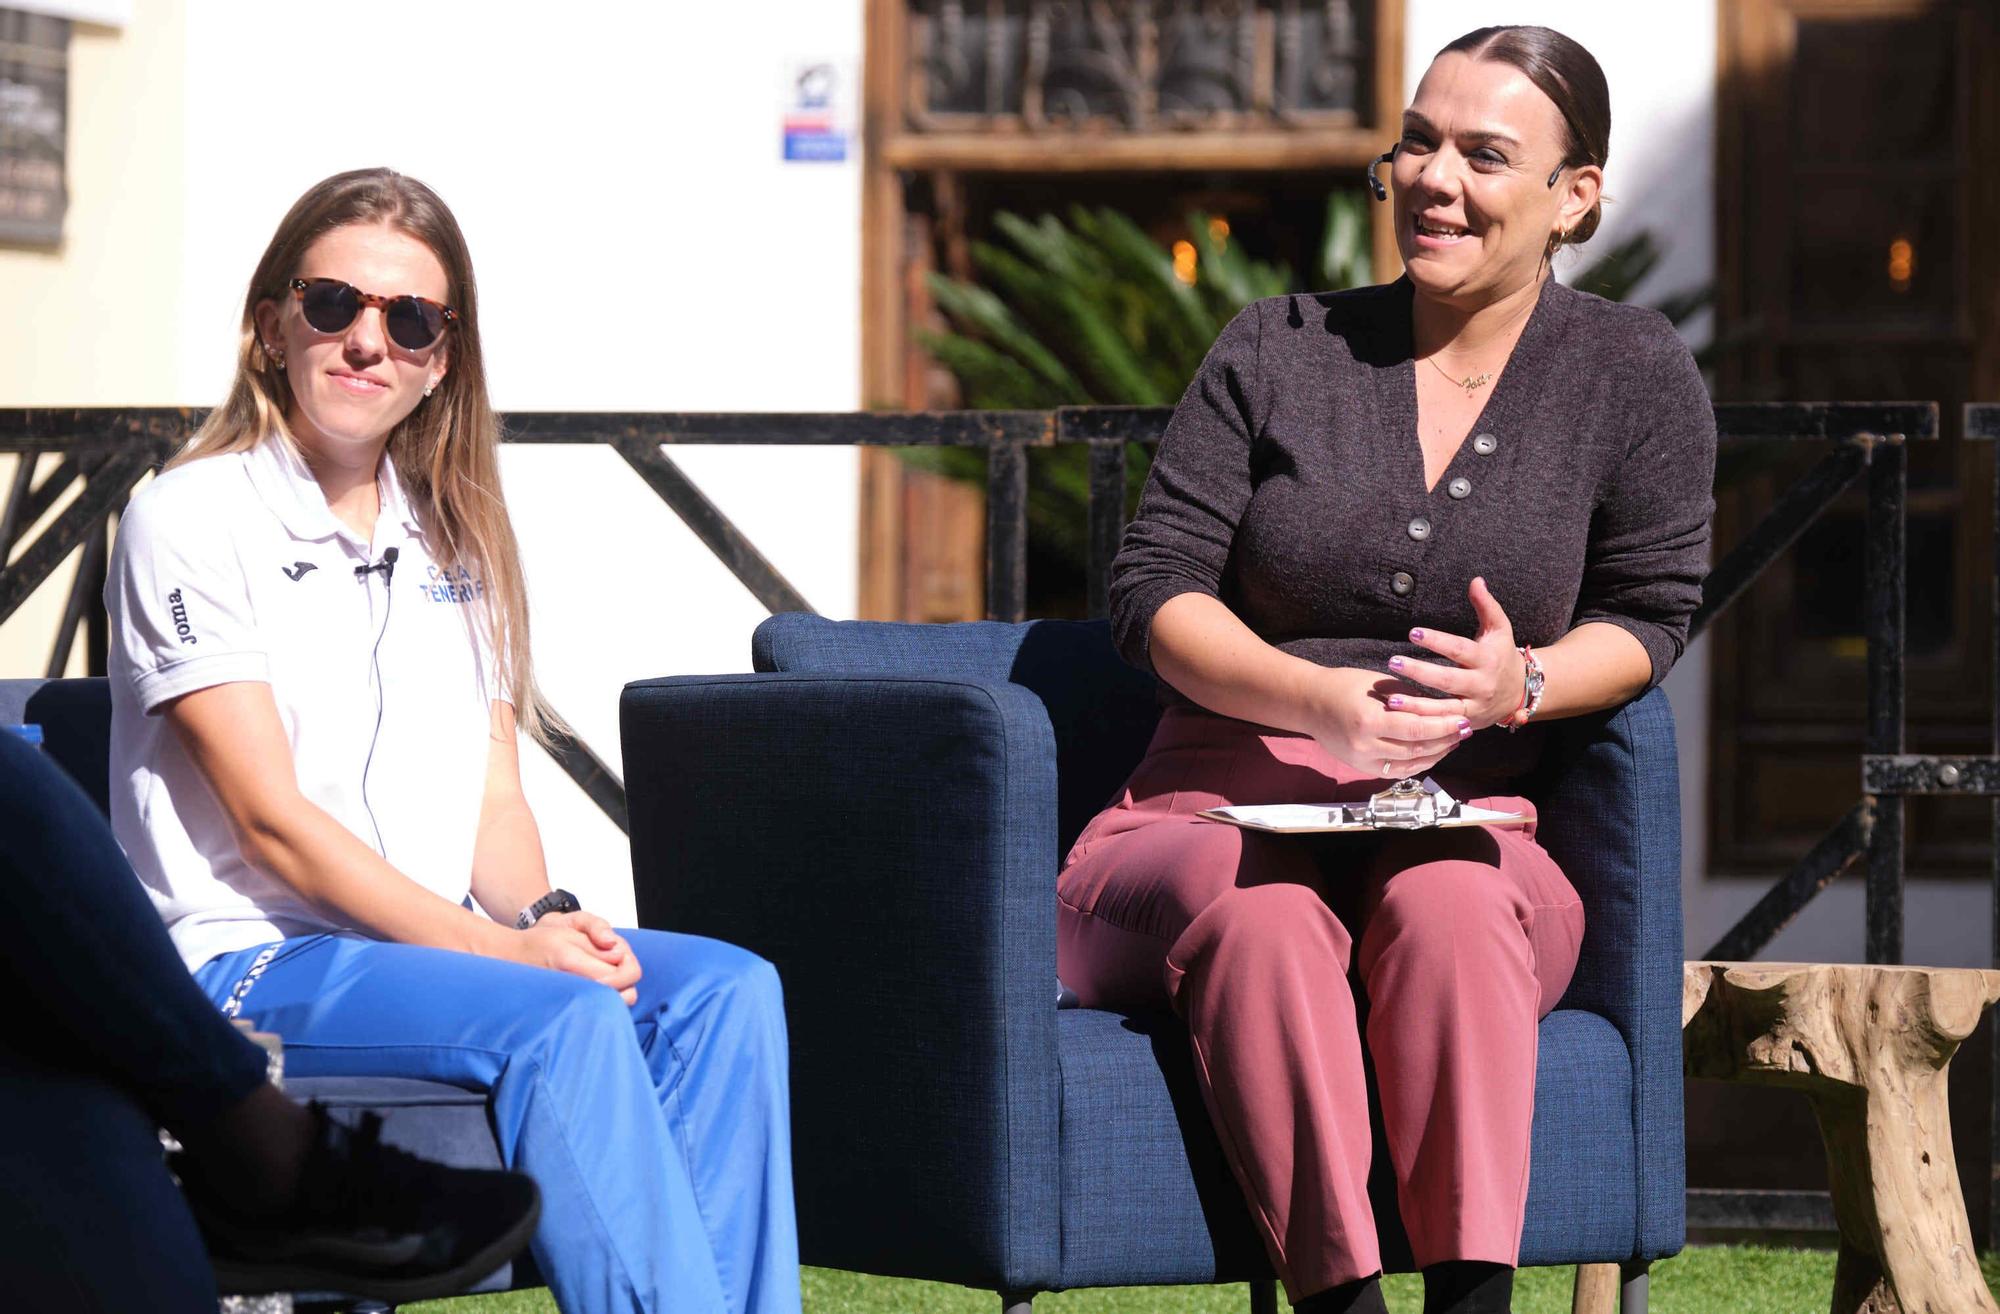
{"x": 1701, "y": 1280}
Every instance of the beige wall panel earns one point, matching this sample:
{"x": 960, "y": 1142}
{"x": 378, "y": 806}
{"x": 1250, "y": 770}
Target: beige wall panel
{"x": 91, "y": 322}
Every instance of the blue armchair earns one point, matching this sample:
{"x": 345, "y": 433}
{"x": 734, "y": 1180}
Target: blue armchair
{"x": 881, "y": 811}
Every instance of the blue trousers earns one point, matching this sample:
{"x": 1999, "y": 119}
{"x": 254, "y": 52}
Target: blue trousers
{"x": 106, "y": 1039}
{"x": 660, "y": 1134}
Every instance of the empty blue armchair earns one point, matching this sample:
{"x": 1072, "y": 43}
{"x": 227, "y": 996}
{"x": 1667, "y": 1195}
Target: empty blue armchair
{"x": 881, "y": 811}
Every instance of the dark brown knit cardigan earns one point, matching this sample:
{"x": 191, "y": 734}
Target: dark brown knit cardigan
{"x": 1290, "y": 485}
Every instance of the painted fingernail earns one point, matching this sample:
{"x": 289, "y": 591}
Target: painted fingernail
{"x": 1464, "y": 726}
{"x": 1396, "y": 663}
{"x": 1416, "y": 636}
{"x": 1395, "y": 700}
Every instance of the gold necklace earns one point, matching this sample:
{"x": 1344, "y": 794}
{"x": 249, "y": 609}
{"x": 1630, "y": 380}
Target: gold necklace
{"x": 1471, "y": 383}
{"x": 1474, "y": 382}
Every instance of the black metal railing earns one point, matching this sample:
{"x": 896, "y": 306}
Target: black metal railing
{"x": 1874, "y": 446}
{"x": 110, "y": 450}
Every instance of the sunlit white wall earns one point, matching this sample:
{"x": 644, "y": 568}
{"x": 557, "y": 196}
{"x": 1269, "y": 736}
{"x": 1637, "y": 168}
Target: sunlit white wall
{"x": 640, "y": 245}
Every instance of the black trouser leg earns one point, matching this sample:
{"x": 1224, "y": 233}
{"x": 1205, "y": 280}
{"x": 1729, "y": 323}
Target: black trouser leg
{"x": 86, "y": 969}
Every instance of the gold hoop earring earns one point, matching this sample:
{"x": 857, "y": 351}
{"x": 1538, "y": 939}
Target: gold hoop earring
{"x": 1555, "y": 242}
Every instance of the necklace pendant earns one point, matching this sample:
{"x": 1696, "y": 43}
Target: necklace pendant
{"x": 1475, "y": 382}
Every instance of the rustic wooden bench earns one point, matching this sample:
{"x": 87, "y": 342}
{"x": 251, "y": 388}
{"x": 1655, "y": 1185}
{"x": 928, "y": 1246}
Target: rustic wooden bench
{"x": 1869, "y": 1047}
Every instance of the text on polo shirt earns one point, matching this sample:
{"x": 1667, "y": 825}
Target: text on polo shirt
{"x": 453, "y": 584}
{"x": 180, "y": 615}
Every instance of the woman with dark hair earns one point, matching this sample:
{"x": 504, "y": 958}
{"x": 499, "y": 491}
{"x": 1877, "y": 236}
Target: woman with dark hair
{"x": 1390, "y": 532}
{"x": 320, "y": 657}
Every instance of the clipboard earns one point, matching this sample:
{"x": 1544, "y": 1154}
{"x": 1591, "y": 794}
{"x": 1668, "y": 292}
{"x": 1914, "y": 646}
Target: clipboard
{"x": 1405, "y": 805}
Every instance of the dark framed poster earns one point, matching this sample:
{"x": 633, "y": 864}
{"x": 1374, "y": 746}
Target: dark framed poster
{"x": 34, "y": 127}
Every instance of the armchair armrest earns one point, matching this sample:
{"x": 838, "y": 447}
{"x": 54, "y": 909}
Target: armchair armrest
{"x": 1610, "y": 816}
{"x": 890, "y": 844}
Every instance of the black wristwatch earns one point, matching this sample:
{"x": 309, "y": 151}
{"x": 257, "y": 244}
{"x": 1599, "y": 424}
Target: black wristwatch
{"x": 552, "y": 902}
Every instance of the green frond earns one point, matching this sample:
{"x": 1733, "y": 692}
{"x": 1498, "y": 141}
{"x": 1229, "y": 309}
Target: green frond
{"x": 979, "y": 310}
{"x": 1346, "y": 253}
{"x": 990, "y": 379}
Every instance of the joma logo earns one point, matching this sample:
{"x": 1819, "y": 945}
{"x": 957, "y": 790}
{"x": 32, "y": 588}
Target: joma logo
{"x": 180, "y": 614}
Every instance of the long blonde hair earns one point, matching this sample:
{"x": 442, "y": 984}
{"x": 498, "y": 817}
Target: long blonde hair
{"x": 446, "y": 451}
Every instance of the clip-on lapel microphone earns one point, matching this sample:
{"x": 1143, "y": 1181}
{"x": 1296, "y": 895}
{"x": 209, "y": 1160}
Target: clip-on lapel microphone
{"x": 387, "y": 565}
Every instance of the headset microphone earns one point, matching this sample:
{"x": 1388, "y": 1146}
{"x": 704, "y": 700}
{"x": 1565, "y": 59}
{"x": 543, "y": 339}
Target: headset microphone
{"x": 1374, "y": 183}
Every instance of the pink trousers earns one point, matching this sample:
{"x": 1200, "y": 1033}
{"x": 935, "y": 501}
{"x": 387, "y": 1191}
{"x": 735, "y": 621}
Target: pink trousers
{"x": 1460, "y": 939}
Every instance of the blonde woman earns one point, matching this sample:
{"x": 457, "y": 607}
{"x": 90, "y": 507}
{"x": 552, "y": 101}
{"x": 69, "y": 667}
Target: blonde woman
{"x": 320, "y": 662}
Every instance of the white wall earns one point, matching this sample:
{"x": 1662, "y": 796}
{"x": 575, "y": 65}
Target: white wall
{"x": 640, "y": 245}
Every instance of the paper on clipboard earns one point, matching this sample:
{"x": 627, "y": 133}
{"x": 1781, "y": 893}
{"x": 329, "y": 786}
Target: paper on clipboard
{"x": 1331, "y": 819}
{"x": 1406, "y": 805}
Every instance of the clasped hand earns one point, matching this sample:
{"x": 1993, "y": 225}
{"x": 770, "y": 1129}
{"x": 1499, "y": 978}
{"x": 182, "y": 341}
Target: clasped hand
{"x": 1392, "y": 727}
{"x": 583, "y": 944}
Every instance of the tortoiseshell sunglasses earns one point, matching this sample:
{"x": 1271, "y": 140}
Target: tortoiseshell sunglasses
{"x": 414, "y": 323}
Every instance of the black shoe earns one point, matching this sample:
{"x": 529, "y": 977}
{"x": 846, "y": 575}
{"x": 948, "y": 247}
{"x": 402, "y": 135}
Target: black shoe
{"x": 370, "y": 1220}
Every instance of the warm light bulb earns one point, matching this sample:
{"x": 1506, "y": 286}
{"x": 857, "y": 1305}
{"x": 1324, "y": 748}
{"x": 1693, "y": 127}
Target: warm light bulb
{"x": 1218, "y": 232}
{"x": 1184, "y": 261}
{"x": 1902, "y": 263}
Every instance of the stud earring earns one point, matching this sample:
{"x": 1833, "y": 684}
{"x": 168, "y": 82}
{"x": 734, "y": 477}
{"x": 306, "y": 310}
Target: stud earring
{"x": 430, "y": 387}
{"x": 277, "y": 357}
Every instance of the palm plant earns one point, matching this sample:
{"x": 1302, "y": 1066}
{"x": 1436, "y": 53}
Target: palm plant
{"x": 1095, "y": 312}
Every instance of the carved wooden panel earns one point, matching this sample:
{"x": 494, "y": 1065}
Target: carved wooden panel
{"x": 1135, "y": 66}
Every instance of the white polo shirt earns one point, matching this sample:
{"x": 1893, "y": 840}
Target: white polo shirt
{"x": 232, "y": 568}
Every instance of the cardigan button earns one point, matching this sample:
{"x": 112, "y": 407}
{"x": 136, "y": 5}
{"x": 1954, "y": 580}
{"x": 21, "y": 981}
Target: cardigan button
{"x": 1485, "y": 444}
{"x": 1459, "y": 488}
{"x": 1401, "y": 583}
{"x": 1420, "y": 529}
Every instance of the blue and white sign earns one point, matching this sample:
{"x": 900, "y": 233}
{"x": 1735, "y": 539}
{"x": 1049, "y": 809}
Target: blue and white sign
{"x": 819, "y": 113}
